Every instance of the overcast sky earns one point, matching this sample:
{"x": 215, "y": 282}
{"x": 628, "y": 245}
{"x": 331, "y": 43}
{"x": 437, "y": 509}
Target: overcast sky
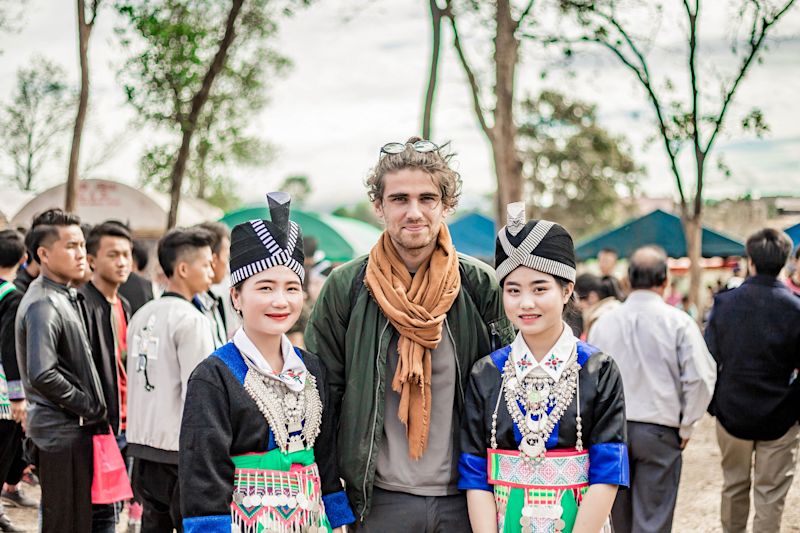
{"x": 358, "y": 82}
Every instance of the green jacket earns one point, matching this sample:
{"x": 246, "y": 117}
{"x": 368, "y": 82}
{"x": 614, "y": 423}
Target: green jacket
{"x": 353, "y": 344}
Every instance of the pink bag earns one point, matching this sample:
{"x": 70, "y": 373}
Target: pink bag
{"x": 110, "y": 482}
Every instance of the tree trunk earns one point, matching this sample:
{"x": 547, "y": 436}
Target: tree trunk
{"x": 508, "y": 166}
{"x": 436, "y": 21}
{"x": 84, "y": 32}
{"x": 198, "y": 101}
{"x": 693, "y": 232}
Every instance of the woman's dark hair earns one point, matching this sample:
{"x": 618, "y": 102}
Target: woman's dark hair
{"x": 571, "y": 307}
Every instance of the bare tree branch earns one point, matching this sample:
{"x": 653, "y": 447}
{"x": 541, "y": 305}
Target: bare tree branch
{"x": 95, "y": 8}
{"x": 473, "y": 82}
{"x": 755, "y": 46}
{"x": 525, "y": 13}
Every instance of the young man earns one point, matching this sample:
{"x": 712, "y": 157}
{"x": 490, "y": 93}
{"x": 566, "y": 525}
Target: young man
{"x": 753, "y": 334}
{"x": 108, "y": 249}
{"x": 209, "y": 303}
{"x": 167, "y": 339}
{"x": 399, "y": 354}
{"x": 12, "y": 492}
{"x": 12, "y": 400}
{"x": 66, "y": 405}
{"x": 669, "y": 378}
{"x": 138, "y": 289}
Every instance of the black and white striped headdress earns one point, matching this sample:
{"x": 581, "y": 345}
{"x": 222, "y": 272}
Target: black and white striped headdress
{"x": 538, "y": 244}
{"x": 261, "y": 244}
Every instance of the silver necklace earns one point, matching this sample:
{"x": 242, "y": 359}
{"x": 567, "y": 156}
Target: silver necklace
{"x": 294, "y": 417}
{"x": 528, "y": 400}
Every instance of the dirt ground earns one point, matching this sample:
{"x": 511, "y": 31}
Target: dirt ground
{"x": 698, "y": 500}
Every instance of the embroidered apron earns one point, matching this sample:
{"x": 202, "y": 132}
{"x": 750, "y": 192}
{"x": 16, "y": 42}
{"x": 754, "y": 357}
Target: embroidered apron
{"x": 277, "y": 493}
{"x": 541, "y": 496}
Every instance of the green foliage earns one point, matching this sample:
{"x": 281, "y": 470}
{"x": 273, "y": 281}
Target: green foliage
{"x": 298, "y": 187}
{"x": 362, "y": 211}
{"x": 33, "y": 124}
{"x": 172, "y": 44}
{"x": 575, "y": 170}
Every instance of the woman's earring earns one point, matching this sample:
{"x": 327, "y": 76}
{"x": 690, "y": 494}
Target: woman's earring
{"x": 239, "y": 312}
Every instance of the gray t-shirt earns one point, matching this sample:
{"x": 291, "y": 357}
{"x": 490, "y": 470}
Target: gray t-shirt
{"x": 436, "y": 472}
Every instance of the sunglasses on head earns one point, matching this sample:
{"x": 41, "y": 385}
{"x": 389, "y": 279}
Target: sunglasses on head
{"x": 422, "y": 147}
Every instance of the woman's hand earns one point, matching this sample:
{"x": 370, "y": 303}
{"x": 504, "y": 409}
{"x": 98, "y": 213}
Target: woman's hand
{"x": 482, "y": 511}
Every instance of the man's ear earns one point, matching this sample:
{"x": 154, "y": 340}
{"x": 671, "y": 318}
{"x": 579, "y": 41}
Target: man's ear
{"x": 90, "y": 261}
{"x": 42, "y": 253}
{"x": 377, "y": 207}
{"x": 181, "y": 268}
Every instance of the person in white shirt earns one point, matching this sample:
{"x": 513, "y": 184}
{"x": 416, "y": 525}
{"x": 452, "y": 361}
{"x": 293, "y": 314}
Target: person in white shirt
{"x": 669, "y": 376}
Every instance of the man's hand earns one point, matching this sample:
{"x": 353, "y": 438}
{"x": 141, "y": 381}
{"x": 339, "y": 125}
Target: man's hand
{"x": 684, "y": 442}
{"x": 19, "y": 413}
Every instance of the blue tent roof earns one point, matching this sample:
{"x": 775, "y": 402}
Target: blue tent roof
{"x": 474, "y": 235}
{"x": 794, "y": 233}
{"x": 662, "y": 229}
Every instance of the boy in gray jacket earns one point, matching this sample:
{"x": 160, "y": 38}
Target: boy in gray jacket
{"x": 167, "y": 339}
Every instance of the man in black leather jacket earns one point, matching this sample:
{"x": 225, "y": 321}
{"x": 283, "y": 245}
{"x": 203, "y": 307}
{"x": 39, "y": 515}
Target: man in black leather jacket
{"x": 65, "y": 400}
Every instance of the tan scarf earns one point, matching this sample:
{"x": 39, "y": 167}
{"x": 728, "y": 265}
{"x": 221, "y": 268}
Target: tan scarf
{"x": 416, "y": 306}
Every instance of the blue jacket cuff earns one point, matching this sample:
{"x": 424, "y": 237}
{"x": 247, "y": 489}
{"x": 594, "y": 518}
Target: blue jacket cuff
{"x": 472, "y": 473}
{"x": 207, "y": 524}
{"x": 608, "y": 464}
{"x": 337, "y": 509}
{"x": 15, "y": 390}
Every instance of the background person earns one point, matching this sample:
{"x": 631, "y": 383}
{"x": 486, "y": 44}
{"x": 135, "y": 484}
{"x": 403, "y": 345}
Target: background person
{"x": 754, "y": 336}
{"x": 669, "y": 378}
{"x": 167, "y": 339}
{"x": 65, "y": 399}
{"x": 108, "y": 249}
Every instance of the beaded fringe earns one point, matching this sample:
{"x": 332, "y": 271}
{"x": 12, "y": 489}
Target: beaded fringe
{"x": 271, "y": 501}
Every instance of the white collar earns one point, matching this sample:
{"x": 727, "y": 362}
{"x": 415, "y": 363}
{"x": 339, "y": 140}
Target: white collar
{"x": 293, "y": 373}
{"x": 553, "y": 364}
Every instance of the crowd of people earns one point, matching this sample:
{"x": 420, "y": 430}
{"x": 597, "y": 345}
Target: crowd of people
{"x": 418, "y": 390}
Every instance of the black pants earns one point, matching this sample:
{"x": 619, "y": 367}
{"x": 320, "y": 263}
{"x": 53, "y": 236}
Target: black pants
{"x": 65, "y": 474}
{"x": 10, "y": 447}
{"x": 399, "y": 512}
{"x": 655, "y": 461}
{"x": 156, "y": 486}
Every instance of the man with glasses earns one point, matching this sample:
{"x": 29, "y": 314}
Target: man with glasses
{"x": 399, "y": 331}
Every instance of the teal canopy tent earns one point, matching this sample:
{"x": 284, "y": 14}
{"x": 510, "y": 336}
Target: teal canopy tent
{"x": 659, "y": 228}
{"x": 474, "y": 235}
{"x": 341, "y": 238}
{"x": 794, "y": 233}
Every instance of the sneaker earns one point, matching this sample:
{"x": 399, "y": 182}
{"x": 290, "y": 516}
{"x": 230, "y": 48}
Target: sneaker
{"x": 19, "y": 499}
{"x": 7, "y": 525}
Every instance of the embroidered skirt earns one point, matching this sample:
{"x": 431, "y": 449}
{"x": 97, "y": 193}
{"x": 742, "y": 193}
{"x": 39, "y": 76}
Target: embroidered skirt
{"x": 5, "y": 403}
{"x": 541, "y": 496}
{"x": 277, "y": 493}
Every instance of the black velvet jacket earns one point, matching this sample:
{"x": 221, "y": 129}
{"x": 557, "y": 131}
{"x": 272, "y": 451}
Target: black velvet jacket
{"x": 221, "y": 420}
{"x": 602, "y": 414}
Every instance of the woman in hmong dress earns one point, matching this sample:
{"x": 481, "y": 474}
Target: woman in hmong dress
{"x": 543, "y": 440}
{"x": 257, "y": 447}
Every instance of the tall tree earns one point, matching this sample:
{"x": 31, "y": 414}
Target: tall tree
{"x": 437, "y": 13}
{"x": 574, "y": 168}
{"x": 687, "y": 122}
{"x": 497, "y": 123}
{"x": 34, "y": 122}
{"x": 85, "y": 26}
{"x": 188, "y": 44}
{"x": 298, "y": 186}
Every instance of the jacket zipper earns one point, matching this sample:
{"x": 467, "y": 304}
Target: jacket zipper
{"x": 374, "y": 419}
{"x": 458, "y": 364}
